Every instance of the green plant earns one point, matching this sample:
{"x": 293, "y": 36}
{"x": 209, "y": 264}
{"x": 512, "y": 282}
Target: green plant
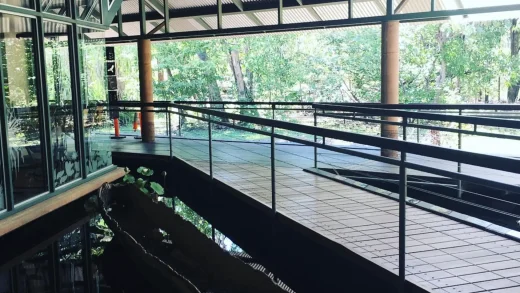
{"x": 144, "y": 185}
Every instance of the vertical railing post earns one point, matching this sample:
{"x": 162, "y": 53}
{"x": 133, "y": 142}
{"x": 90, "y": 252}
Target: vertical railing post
{"x": 315, "y": 140}
{"x": 403, "y": 189}
{"x": 86, "y": 255}
{"x": 210, "y": 142}
{"x": 273, "y": 106}
{"x": 273, "y": 174}
{"x": 323, "y": 137}
{"x": 170, "y": 131}
{"x": 179, "y": 112}
{"x": 459, "y": 169}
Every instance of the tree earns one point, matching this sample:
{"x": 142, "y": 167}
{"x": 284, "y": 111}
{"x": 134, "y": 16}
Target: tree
{"x": 514, "y": 82}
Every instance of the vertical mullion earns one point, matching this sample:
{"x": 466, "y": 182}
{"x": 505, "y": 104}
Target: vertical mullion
{"x": 43, "y": 99}
{"x": 280, "y": 11}
{"x": 166, "y": 17}
{"x": 77, "y": 108}
{"x": 403, "y": 193}
{"x": 142, "y": 18}
{"x": 54, "y": 263}
{"x": 389, "y": 7}
{"x": 219, "y": 14}
{"x": 4, "y": 141}
{"x": 87, "y": 260}
{"x": 120, "y": 22}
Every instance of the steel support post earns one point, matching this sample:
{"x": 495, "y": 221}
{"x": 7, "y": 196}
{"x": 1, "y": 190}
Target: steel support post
{"x": 210, "y": 142}
{"x": 315, "y": 140}
{"x": 403, "y": 189}
{"x": 459, "y": 166}
{"x": 389, "y": 78}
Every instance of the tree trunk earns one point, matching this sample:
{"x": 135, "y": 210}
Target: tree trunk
{"x": 213, "y": 89}
{"x": 244, "y": 94}
{"x": 439, "y": 83}
{"x": 512, "y": 91}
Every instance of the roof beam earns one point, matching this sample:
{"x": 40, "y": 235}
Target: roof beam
{"x": 314, "y": 14}
{"x": 155, "y": 5}
{"x": 114, "y": 28}
{"x": 239, "y": 4}
{"x": 158, "y": 27}
{"x": 254, "y": 19}
{"x": 202, "y": 23}
{"x": 407, "y": 17}
{"x": 232, "y": 8}
{"x": 401, "y": 6}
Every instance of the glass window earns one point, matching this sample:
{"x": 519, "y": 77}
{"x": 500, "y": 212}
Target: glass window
{"x": 23, "y": 126}
{"x": 59, "y": 7}
{"x": 71, "y": 262}
{"x": 88, "y": 10}
{"x": 96, "y": 123}
{"x": 63, "y": 143}
{"x": 33, "y": 274}
{"x": 5, "y": 281}
{"x": 19, "y": 3}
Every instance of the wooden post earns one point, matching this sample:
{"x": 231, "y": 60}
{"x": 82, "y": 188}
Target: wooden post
{"x": 144, "y": 48}
{"x": 390, "y": 79}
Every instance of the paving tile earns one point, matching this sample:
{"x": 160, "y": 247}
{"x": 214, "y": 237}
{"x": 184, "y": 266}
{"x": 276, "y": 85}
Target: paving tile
{"x": 466, "y": 288}
{"x": 507, "y": 290}
{"x": 442, "y": 254}
{"x": 480, "y": 277}
{"x": 496, "y": 284}
{"x": 495, "y": 266}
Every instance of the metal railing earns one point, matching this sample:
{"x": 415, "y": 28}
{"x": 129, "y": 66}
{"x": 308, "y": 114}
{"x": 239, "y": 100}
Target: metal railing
{"x": 258, "y": 125}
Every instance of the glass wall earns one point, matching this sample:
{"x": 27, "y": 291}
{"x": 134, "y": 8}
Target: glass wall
{"x": 51, "y": 121}
{"x": 59, "y": 7}
{"x": 20, "y": 3}
{"x": 96, "y": 122}
{"x": 88, "y": 10}
{"x": 23, "y": 118}
{"x": 63, "y": 144}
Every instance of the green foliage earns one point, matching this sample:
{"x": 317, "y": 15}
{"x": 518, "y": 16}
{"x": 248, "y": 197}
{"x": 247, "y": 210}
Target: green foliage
{"x": 440, "y": 62}
{"x": 147, "y": 187}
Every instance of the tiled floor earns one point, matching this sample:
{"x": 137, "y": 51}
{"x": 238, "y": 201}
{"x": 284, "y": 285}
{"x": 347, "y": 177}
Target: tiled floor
{"x": 442, "y": 255}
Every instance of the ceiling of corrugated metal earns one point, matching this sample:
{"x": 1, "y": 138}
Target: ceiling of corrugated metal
{"x": 317, "y": 11}
{"x": 199, "y": 15}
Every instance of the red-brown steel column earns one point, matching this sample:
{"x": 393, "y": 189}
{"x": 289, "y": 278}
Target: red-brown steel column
{"x": 390, "y": 78}
{"x": 144, "y": 48}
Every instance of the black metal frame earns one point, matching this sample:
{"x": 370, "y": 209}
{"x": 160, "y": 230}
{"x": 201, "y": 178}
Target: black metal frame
{"x": 404, "y": 147}
{"x": 37, "y": 16}
{"x": 161, "y": 12}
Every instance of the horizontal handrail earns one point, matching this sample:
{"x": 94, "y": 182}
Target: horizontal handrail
{"x": 490, "y": 107}
{"x": 476, "y": 159}
{"x": 424, "y": 116}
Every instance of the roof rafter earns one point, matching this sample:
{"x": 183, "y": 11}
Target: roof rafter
{"x": 232, "y": 8}
{"x": 401, "y": 6}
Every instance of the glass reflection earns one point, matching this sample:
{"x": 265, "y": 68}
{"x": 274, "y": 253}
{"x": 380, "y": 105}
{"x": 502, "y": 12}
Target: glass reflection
{"x": 5, "y": 281}
{"x": 71, "y": 262}
{"x": 96, "y": 122}
{"x": 23, "y": 126}
{"x": 19, "y": 3}
{"x": 59, "y": 7}
{"x": 88, "y": 10}
{"x": 33, "y": 274}
{"x": 63, "y": 144}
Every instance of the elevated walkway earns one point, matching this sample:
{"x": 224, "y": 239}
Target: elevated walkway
{"x": 443, "y": 253}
